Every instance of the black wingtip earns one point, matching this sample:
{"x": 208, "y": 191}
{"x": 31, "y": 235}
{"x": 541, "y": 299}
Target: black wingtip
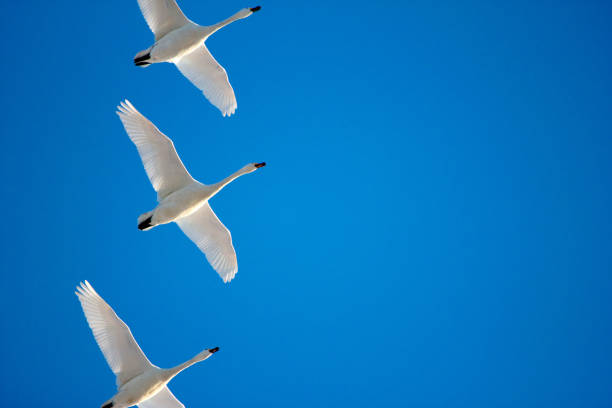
{"x": 214, "y": 350}
{"x": 254, "y": 9}
{"x": 258, "y": 165}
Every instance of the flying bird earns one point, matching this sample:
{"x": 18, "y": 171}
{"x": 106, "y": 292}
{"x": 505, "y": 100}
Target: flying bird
{"x": 181, "y": 198}
{"x": 138, "y": 381}
{"x": 181, "y": 41}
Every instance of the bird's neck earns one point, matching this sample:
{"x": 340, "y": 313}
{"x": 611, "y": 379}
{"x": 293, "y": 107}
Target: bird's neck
{"x": 171, "y": 372}
{"x": 218, "y": 186}
{"x": 239, "y": 15}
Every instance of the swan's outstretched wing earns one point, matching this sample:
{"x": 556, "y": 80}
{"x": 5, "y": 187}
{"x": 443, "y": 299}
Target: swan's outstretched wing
{"x": 114, "y": 338}
{"x": 204, "y": 72}
{"x": 163, "y": 399}
{"x": 210, "y": 235}
{"x": 162, "y": 16}
{"x": 161, "y": 162}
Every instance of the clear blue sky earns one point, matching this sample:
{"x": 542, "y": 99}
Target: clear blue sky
{"x": 432, "y": 228}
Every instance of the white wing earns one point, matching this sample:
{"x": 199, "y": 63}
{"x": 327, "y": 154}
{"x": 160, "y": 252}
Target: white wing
{"x": 162, "y": 16}
{"x": 114, "y": 338}
{"x": 163, "y": 399}
{"x": 161, "y": 162}
{"x": 210, "y": 235}
{"x": 204, "y": 72}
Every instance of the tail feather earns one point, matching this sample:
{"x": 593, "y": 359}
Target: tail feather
{"x": 145, "y": 221}
{"x": 140, "y": 60}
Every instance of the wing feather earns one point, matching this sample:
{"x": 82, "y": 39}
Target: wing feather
{"x": 213, "y": 238}
{"x": 206, "y": 74}
{"x": 162, "y": 16}
{"x": 113, "y": 336}
{"x": 163, "y": 399}
{"x": 159, "y": 157}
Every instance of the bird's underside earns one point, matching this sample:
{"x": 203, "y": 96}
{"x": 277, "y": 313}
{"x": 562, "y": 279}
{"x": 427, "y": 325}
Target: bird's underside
{"x": 179, "y": 193}
{"x": 180, "y": 41}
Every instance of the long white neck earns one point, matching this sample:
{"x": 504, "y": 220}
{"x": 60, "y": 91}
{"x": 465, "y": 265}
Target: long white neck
{"x": 244, "y": 13}
{"x": 203, "y": 355}
{"x": 218, "y": 186}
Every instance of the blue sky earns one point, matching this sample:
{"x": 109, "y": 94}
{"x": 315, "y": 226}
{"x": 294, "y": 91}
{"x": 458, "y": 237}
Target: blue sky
{"x": 432, "y": 228}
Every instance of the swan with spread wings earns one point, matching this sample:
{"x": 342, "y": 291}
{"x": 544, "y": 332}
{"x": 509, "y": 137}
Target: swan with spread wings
{"x": 181, "y": 41}
{"x": 181, "y": 198}
{"x": 138, "y": 381}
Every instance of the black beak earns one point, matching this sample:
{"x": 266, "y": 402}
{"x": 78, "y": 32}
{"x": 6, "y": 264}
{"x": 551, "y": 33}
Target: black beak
{"x": 214, "y": 350}
{"x": 258, "y": 165}
{"x": 254, "y": 9}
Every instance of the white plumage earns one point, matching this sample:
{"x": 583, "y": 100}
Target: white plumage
{"x": 138, "y": 381}
{"x": 162, "y": 16}
{"x": 114, "y": 338}
{"x": 181, "y": 41}
{"x": 163, "y": 399}
{"x": 181, "y": 198}
{"x": 213, "y": 238}
{"x": 207, "y": 75}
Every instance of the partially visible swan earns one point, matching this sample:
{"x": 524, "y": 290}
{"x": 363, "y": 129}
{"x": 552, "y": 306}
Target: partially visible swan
{"x": 138, "y": 381}
{"x": 181, "y": 198}
{"x": 181, "y": 41}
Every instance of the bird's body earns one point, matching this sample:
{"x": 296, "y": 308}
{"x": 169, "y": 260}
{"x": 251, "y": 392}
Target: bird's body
{"x": 181, "y": 198}
{"x": 177, "y": 43}
{"x": 180, "y": 41}
{"x": 179, "y": 204}
{"x": 140, "y": 388}
{"x": 138, "y": 381}
{"x": 187, "y": 200}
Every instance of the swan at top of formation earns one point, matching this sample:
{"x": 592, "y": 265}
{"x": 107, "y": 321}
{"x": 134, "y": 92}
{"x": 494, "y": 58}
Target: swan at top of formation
{"x": 138, "y": 381}
{"x": 181, "y": 41}
{"x": 181, "y": 198}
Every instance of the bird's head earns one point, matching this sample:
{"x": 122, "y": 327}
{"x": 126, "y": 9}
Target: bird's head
{"x": 245, "y": 12}
{"x": 251, "y": 167}
{"x": 204, "y": 354}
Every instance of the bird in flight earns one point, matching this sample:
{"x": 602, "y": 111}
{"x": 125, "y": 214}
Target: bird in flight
{"x": 138, "y": 381}
{"x": 181, "y": 198}
{"x": 181, "y": 41}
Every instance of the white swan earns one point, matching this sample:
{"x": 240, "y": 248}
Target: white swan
{"x": 181, "y": 198}
{"x": 181, "y": 41}
{"x": 138, "y": 381}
